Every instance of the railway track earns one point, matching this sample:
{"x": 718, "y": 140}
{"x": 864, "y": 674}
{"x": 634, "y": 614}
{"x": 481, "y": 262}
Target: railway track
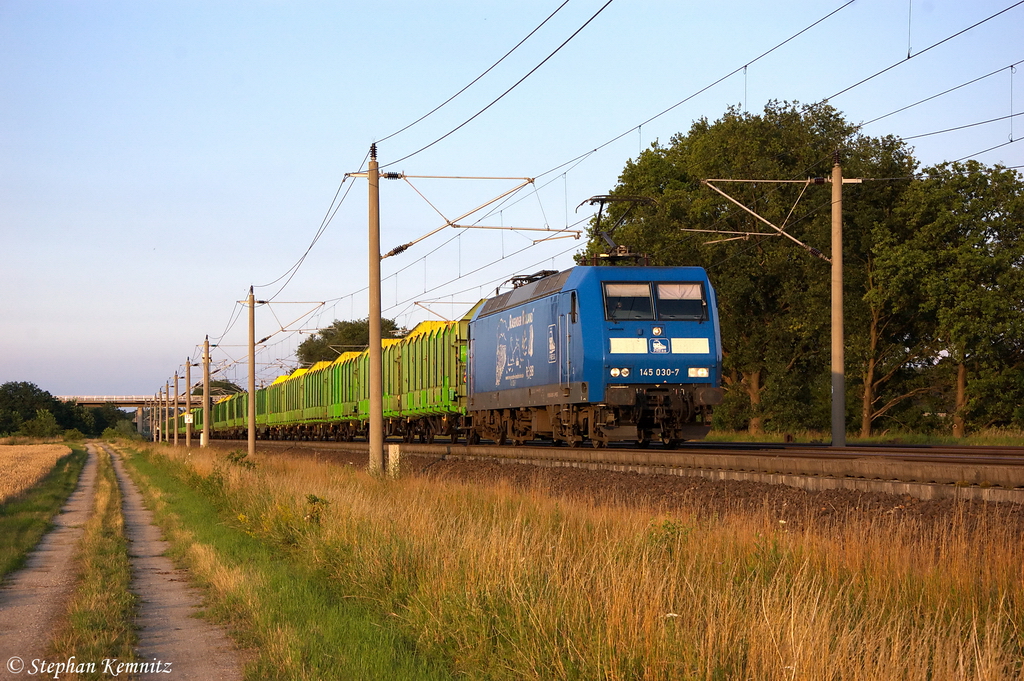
{"x": 925, "y": 472}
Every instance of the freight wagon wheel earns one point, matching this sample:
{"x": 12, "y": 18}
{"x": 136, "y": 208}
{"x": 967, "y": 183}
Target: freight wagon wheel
{"x": 472, "y": 438}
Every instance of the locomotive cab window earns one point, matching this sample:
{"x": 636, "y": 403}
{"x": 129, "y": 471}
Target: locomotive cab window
{"x": 623, "y": 301}
{"x": 680, "y": 301}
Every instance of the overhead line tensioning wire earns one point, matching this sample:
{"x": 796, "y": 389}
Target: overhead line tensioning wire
{"x": 963, "y": 127}
{"x": 332, "y": 210}
{"x": 473, "y": 82}
{"x": 917, "y": 54}
{"x": 944, "y": 92}
{"x": 702, "y": 90}
{"x": 502, "y": 95}
{"x": 985, "y": 151}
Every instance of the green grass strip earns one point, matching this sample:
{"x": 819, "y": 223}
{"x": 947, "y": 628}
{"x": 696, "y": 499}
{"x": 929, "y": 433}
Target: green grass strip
{"x": 99, "y": 622}
{"x": 25, "y": 519}
{"x": 296, "y": 619}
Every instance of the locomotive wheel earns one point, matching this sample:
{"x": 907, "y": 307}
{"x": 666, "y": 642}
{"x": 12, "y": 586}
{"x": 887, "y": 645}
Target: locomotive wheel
{"x": 669, "y": 443}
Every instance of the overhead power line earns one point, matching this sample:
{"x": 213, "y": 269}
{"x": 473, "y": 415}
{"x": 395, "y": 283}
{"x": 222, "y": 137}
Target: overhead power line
{"x": 503, "y": 94}
{"x": 944, "y": 92}
{"x": 964, "y": 127}
{"x": 700, "y": 91}
{"x": 474, "y": 81}
{"x": 918, "y": 54}
{"x": 336, "y": 204}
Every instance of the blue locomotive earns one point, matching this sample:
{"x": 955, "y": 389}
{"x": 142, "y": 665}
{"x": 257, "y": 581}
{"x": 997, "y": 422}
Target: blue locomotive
{"x": 602, "y": 354}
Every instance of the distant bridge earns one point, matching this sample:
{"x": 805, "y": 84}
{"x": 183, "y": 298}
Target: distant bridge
{"x": 116, "y": 400}
{"x": 132, "y": 400}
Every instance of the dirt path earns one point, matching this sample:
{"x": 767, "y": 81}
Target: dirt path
{"x": 169, "y": 632}
{"x": 34, "y": 597}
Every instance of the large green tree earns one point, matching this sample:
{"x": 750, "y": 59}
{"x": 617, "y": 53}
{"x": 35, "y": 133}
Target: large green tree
{"x": 342, "y": 336}
{"x": 20, "y": 401}
{"x": 22, "y": 405}
{"x": 773, "y": 295}
{"x": 962, "y": 258}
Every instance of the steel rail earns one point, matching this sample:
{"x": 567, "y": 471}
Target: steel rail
{"x": 983, "y": 473}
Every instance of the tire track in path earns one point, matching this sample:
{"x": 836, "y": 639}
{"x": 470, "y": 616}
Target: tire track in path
{"x": 34, "y": 597}
{"x": 169, "y": 630}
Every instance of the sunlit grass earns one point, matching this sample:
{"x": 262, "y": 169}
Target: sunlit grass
{"x": 505, "y": 584}
{"x": 297, "y": 620}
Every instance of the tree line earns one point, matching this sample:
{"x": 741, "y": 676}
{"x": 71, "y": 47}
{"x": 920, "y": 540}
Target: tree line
{"x": 26, "y": 409}
{"x": 933, "y": 278}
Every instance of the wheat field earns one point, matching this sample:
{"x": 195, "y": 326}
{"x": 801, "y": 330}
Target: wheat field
{"x": 22, "y": 466}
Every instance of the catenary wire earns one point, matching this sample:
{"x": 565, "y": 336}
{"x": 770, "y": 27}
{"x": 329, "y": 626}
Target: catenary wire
{"x": 944, "y": 92}
{"x": 506, "y": 92}
{"x": 474, "y": 81}
{"x": 917, "y": 54}
{"x": 963, "y": 127}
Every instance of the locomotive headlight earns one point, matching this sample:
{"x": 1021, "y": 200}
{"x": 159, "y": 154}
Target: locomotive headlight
{"x": 657, "y": 331}
{"x": 694, "y": 372}
{"x": 625, "y": 373}
{"x": 615, "y": 373}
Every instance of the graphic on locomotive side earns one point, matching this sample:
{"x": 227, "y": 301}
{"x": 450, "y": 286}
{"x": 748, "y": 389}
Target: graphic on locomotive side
{"x": 590, "y": 354}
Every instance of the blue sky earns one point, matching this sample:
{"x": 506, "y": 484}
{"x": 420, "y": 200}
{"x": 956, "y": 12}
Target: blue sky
{"x": 158, "y": 158}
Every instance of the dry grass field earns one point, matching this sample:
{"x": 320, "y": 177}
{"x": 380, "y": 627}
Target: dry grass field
{"x": 21, "y": 466}
{"x": 506, "y": 583}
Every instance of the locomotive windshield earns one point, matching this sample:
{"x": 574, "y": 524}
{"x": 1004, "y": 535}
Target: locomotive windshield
{"x": 628, "y": 301}
{"x": 672, "y": 300}
{"x": 680, "y": 301}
